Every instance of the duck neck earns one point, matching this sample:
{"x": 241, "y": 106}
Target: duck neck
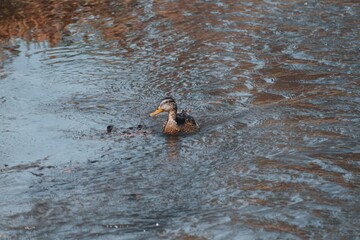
{"x": 172, "y": 115}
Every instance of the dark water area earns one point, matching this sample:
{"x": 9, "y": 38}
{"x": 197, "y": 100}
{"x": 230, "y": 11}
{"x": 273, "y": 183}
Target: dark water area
{"x": 274, "y": 86}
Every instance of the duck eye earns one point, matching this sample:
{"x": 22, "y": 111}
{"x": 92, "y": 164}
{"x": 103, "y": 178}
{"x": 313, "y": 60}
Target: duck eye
{"x": 165, "y": 102}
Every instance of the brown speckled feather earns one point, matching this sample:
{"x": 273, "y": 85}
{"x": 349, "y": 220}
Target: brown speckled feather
{"x": 183, "y": 123}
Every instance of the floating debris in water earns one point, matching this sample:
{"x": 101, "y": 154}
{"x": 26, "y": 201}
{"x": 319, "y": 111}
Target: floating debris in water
{"x": 109, "y": 128}
{"x": 130, "y": 131}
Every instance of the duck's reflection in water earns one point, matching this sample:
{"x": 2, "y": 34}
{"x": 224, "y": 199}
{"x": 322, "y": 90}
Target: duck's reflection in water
{"x": 173, "y": 147}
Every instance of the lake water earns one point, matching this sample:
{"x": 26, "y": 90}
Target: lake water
{"x": 274, "y": 86}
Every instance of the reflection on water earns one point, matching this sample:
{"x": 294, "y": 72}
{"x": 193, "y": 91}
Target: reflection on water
{"x": 273, "y": 85}
{"x": 173, "y": 147}
{"x": 37, "y": 20}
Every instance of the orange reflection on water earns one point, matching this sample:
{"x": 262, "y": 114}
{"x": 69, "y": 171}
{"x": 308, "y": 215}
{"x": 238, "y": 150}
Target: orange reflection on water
{"x": 41, "y": 20}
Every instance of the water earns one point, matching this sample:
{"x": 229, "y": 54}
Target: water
{"x": 274, "y": 86}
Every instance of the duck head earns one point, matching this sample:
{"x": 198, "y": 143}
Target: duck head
{"x": 167, "y": 104}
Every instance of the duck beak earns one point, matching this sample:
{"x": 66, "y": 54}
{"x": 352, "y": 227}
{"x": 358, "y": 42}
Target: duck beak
{"x": 156, "y": 112}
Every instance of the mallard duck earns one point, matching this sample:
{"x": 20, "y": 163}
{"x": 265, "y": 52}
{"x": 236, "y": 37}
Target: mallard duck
{"x": 176, "y": 122}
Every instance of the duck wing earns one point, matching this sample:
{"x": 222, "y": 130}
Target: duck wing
{"x": 183, "y": 118}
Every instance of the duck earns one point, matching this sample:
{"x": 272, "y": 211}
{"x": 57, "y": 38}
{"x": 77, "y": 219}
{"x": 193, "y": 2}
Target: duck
{"x": 176, "y": 123}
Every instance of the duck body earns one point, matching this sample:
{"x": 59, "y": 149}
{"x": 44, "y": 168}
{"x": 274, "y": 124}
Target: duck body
{"x": 176, "y": 123}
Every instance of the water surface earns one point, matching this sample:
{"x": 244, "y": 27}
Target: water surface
{"x": 274, "y": 86}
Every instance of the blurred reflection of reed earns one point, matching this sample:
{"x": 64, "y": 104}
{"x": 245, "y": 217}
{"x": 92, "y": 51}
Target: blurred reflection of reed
{"x": 44, "y": 20}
